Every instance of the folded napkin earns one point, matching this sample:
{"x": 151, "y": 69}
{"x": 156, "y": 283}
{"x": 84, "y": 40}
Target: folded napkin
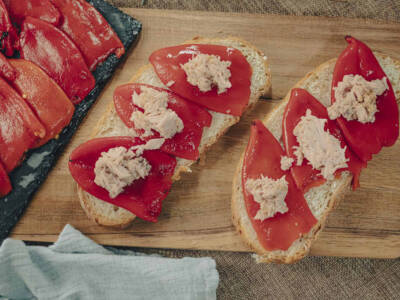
{"x": 75, "y": 267}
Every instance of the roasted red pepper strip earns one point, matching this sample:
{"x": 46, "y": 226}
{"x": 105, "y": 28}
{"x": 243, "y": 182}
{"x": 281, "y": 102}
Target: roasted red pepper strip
{"x": 5, "y": 184}
{"x": 144, "y": 196}
{"x": 89, "y": 31}
{"x": 49, "y": 48}
{"x": 45, "y": 97}
{"x": 19, "y": 127}
{"x": 40, "y": 9}
{"x": 262, "y": 157}
{"x": 167, "y": 64}
{"x": 369, "y": 138}
{"x": 8, "y": 34}
{"x": 305, "y": 176}
{"x": 7, "y": 71}
{"x": 184, "y": 144}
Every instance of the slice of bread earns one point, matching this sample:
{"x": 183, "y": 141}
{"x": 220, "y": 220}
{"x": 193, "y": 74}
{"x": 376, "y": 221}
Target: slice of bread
{"x": 110, "y": 124}
{"x": 322, "y": 199}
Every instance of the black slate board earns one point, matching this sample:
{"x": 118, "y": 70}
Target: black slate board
{"x": 27, "y": 178}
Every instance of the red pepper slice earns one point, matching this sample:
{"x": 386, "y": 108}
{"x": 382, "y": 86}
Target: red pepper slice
{"x": 144, "y": 196}
{"x": 40, "y": 9}
{"x": 5, "y": 184}
{"x": 46, "y": 98}
{"x": 8, "y": 34}
{"x": 6, "y": 69}
{"x": 52, "y": 50}
{"x": 89, "y": 31}
{"x": 305, "y": 176}
{"x": 262, "y": 157}
{"x": 369, "y": 138}
{"x": 167, "y": 64}
{"x": 184, "y": 144}
{"x": 19, "y": 127}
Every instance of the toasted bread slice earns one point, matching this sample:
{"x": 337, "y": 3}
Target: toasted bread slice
{"x": 107, "y": 214}
{"x": 322, "y": 199}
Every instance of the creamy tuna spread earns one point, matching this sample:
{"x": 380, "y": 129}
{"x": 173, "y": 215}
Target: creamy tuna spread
{"x": 118, "y": 168}
{"x": 152, "y": 144}
{"x": 322, "y": 150}
{"x": 270, "y": 194}
{"x": 356, "y": 98}
{"x": 170, "y": 83}
{"x": 207, "y": 71}
{"x": 156, "y": 115}
{"x": 286, "y": 163}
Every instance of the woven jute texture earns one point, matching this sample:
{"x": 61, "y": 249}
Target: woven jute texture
{"x": 379, "y": 9}
{"x": 313, "y": 277}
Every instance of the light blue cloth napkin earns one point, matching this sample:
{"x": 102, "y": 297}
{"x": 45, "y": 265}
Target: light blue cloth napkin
{"x": 75, "y": 267}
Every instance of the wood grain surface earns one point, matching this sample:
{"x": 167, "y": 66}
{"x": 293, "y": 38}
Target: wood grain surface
{"x": 196, "y": 214}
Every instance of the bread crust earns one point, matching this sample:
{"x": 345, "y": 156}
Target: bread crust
{"x": 100, "y": 218}
{"x": 240, "y": 218}
{"x": 88, "y": 205}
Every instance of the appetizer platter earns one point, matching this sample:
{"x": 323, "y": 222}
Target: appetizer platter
{"x": 59, "y": 56}
{"x": 152, "y": 141}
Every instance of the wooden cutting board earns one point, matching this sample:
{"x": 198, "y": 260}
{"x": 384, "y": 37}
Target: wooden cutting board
{"x": 196, "y": 214}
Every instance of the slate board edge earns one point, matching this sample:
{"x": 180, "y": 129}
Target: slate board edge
{"x": 39, "y": 162}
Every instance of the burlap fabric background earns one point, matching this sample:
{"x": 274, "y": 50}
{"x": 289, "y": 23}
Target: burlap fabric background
{"x": 314, "y": 277}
